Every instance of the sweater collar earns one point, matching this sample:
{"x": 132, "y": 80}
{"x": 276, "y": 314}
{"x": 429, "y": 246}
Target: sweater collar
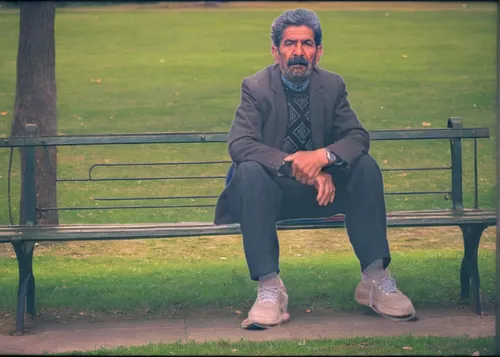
{"x": 296, "y": 88}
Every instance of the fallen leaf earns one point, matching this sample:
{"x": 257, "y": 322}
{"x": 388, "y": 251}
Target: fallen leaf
{"x": 403, "y": 174}
{"x": 424, "y": 123}
{"x": 363, "y": 344}
{"x": 81, "y": 313}
{"x": 476, "y": 353}
{"x": 234, "y": 350}
{"x": 386, "y": 161}
{"x": 4, "y": 113}
{"x": 404, "y": 56}
{"x": 308, "y": 310}
{"x": 237, "y": 312}
{"x": 408, "y": 348}
{"x": 223, "y": 258}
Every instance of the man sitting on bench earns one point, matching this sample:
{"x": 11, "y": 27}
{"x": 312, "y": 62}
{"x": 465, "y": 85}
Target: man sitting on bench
{"x": 299, "y": 151}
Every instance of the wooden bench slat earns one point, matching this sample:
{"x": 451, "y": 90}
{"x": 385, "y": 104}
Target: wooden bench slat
{"x": 221, "y": 137}
{"x": 185, "y": 229}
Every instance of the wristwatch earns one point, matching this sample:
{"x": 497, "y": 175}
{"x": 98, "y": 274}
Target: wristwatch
{"x": 331, "y": 157}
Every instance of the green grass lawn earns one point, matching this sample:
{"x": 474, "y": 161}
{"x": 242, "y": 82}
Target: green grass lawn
{"x": 181, "y": 71}
{"x": 399, "y": 346}
{"x": 154, "y": 285}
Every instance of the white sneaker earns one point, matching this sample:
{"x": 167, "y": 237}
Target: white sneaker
{"x": 385, "y": 298}
{"x": 270, "y": 307}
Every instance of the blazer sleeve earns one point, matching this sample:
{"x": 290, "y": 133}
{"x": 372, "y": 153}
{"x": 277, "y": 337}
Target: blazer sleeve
{"x": 245, "y": 135}
{"x": 350, "y": 139}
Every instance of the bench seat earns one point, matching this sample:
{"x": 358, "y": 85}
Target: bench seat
{"x": 69, "y": 232}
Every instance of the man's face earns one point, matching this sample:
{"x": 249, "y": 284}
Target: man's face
{"x": 297, "y": 54}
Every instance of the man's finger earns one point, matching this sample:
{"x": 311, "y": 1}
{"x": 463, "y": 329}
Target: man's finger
{"x": 321, "y": 192}
{"x": 290, "y": 157}
{"x": 331, "y": 195}
{"x": 311, "y": 172}
{"x": 298, "y": 175}
{"x": 301, "y": 175}
{"x": 294, "y": 170}
{"x": 328, "y": 191}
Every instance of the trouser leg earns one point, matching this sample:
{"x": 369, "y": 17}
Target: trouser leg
{"x": 361, "y": 191}
{"x": 259, "y": 199}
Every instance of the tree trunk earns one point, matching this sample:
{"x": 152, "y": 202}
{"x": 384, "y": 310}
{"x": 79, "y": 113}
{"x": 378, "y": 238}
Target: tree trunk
{"x": 36, "y": 99}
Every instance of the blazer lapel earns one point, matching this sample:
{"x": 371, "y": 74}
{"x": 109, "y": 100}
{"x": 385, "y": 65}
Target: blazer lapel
{"x": 316, "y": 108}
{"x": 281, "y": 107}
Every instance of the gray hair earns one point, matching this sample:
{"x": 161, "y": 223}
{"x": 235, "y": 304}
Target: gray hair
{"x": 297, "y": 17}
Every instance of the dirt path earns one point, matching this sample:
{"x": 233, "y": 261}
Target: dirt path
{"x": 57, "y": 337}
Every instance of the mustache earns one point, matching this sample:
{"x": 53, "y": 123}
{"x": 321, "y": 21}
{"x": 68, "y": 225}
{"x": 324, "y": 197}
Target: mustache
{"x": 297, "y": 60}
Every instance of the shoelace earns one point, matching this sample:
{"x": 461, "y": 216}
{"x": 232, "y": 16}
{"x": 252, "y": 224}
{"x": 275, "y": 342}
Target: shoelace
{"x": 388, "y": 285}
{"x": 268, "y": 294}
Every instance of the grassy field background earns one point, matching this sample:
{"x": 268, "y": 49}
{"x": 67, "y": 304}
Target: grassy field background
{"x": 155, "y": 71}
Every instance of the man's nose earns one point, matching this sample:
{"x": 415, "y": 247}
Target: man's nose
{"x": 298, "y": 49}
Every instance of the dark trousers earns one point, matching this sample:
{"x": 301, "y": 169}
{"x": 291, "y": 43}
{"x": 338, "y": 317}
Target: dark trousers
{"x": 263, "y": 198}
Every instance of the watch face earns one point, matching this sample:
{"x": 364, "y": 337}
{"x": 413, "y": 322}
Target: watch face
{"x": 330, "y": 156}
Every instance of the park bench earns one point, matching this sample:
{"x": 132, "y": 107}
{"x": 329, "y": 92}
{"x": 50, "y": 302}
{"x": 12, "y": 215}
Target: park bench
{"x": 472, "y": 221}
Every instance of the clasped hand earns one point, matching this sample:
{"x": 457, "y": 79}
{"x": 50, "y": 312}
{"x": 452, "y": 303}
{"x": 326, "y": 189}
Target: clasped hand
{"x": 306, "y": 168}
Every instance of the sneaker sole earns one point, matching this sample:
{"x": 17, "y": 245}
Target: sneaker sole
{"x": 248, "y": 324}
{"x": 387, "y": 314}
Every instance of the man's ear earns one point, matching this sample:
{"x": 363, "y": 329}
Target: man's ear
{"x": 319, "y": 53}
{"x": 276, "y": 53}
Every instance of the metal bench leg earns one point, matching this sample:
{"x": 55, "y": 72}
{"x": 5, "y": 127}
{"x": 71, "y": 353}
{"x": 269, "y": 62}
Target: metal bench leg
{"x": 469, "y": 270}
{"x": 26, "y": 289}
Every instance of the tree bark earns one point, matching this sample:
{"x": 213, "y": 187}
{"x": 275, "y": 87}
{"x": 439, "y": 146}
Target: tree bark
{"x": 36, "y": 99}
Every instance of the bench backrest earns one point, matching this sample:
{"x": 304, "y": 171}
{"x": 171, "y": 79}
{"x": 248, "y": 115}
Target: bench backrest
{"x": 454, "y": 133}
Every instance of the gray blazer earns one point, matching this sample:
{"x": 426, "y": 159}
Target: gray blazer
{"x": 260, "y": 122}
